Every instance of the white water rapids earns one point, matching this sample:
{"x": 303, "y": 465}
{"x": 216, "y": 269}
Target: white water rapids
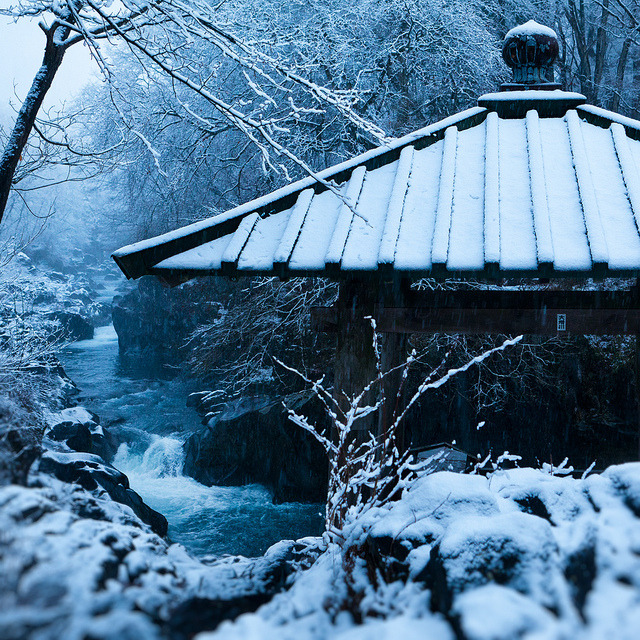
{"x": 146, "y": 407}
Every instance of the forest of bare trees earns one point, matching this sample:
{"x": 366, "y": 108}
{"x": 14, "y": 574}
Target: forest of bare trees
{"x": 201, "y": 106}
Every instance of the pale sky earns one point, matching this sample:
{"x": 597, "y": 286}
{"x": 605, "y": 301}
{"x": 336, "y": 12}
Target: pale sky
{"x": 21, "y": 50}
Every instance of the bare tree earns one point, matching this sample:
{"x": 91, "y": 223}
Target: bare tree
{"x": 368, "y": 470}
{"x": 68, "y": 27}
{"x": 600, "y": 39}
{"x": 261, "y": 320}
{"x": 167, "y": 37}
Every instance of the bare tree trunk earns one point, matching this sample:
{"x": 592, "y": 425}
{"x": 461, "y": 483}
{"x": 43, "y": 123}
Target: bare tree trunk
{"x": 23, "y": 126}
{"x": 601, "y": 49}
{"x": 576, "y": 17}
{"x": 622, "y": 64}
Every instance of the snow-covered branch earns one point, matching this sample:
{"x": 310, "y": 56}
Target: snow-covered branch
{"x": 367, "y": 470}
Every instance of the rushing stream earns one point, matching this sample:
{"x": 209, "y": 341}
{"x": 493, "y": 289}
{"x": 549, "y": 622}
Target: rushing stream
{"x": 147, "y": 406}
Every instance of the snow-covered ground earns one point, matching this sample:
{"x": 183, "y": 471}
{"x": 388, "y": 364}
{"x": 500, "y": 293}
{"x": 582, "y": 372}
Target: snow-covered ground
{"x": 33, "y": 287}
{"x": 77, "y": 565}
{"x": 520, "y": 554}
{"x": 517, "y": 554}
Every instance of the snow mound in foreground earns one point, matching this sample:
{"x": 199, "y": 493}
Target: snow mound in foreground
{"x": 77, "y": 565}
{"x": 520, "y": 554}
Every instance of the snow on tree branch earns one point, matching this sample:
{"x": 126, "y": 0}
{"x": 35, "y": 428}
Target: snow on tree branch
{"x": 367, "y": 470}
{"x": 169, "y": 35}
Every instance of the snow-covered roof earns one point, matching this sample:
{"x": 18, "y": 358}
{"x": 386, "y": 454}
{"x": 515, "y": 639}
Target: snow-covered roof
{"x": 496, "y": 190}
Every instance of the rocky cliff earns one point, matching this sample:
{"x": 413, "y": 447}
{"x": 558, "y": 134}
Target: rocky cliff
{"x": 252, "y": 440}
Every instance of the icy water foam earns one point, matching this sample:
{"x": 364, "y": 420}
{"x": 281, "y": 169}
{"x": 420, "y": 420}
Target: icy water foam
{"x": 210, "y": 520}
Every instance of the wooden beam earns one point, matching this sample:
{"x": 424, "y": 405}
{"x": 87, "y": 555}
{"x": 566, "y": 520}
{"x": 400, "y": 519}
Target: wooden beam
{"x": 549, "y": 321}
{"x": 558, "y": 321}
{"x": 536, "y": 299}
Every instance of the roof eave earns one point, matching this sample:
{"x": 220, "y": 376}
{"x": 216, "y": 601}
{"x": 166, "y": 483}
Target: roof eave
{"x": 137, "y": 259}
{"x": 604, "y": 119}
{"x": 436, "y": 272}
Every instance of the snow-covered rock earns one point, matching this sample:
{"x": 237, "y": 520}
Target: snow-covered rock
{"x": 251, "y": 441}
{"x": 81, "y": 430}
{"x": 495, "y": 612}
{"x": 514, "y": 549}
{"x": 76, "y": 566}
{"x": 61, "y": 305}
{"x": 93, "y": 474}
{"x": 19, "y": 441}
{"x": 520, "y": 554}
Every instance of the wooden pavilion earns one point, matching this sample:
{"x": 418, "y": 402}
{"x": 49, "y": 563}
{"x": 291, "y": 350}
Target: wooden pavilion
{"x": 531, "y": 183}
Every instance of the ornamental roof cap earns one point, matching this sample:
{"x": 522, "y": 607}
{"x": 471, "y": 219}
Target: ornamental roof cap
{"x": 530, "y": 50}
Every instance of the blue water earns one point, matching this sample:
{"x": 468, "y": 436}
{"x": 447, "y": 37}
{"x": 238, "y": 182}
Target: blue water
{"x": 146, "y": 406}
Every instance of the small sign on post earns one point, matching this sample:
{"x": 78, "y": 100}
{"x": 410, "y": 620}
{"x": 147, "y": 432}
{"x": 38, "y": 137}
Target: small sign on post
{"x": 561, "y": 321}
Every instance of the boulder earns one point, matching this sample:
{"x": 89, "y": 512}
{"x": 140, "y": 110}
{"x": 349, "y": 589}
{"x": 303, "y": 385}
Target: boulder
{"x": 143, "y": 332}
{"x": 76, "y": 435}
{"x": 495, "y": 612}
{"x": 517, "y": 550}
{"x": 626, "y": 482}
{"x": 270, "y": 574}
{"x": 198, "y": 614}
{"x": 73, "y": 325}
{"x": 253, "y": 440}
{"x": 20, "y": 440}
{"x": 81, "y": 430}
{"x": 90, "y": 472}
{"x": 19, "y": 444}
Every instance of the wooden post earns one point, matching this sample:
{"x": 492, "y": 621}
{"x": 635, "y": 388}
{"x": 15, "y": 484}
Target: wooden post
{"x": 393, "y": 352}
{"x": 393, "y": 349}
{"x": 356, "y": 365}
{"x": 355, "y": 361}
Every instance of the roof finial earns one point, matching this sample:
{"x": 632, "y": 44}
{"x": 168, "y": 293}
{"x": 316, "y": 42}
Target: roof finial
{"x": 530, "y": 50}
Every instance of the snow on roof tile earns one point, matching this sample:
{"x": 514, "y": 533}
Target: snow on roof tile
{"x": 345, "y": 216}
{"x": 518, "y": 250}
{"x": 363, "y": 242}
{"x": 588, "y": 196}
{"x": 415, "y": 237}
{"x": 566, "y": 220}
{"x": 526, "y": 194}
{"x": 389, "y": 241}
{"x": 466, "y": 246}
{"x": 541, "y": 222}
{"x": 491, "y": 192}
{"x": 294, "y": 225}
